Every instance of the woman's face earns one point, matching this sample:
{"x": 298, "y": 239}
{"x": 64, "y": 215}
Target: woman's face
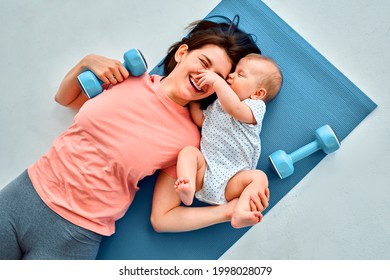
{"x": 183, "y": 88}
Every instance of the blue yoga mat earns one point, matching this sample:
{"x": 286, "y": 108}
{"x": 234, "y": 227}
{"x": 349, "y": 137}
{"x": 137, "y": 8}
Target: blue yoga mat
{"x": 314, "y": 93}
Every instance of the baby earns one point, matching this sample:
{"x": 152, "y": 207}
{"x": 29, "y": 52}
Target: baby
{"x": 225, "y": 166}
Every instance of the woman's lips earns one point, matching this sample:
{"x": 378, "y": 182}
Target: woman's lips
{"x": 193, "y": 83}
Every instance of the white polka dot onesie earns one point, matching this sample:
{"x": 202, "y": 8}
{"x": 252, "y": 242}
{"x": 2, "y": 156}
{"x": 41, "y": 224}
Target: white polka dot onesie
{"x": 228, "y": 146}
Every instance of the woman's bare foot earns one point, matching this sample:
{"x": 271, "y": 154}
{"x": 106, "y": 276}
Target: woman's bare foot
{"x": 185, "y": 191}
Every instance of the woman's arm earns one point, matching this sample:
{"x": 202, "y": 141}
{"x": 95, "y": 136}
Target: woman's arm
{"x": 196, "y": 113}
{"x": 169, "y": 216}
{"x": 69, "y": 93}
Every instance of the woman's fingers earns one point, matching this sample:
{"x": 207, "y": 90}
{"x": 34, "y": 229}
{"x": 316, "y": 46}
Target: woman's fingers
{"x": 259, "y": 202}
{"x": 115, "y": 73}
{"x": 119, "y": 73}
{"x": 108, "y": 70}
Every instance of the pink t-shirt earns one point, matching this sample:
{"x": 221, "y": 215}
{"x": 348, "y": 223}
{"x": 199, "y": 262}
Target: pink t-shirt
{"x": 90, "y": 174}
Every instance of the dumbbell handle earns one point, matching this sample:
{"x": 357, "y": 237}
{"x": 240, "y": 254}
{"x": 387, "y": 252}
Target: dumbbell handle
{"x": 305, "y": 151}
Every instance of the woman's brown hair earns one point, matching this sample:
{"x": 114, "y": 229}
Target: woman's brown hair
{"x": 226, "y": 35}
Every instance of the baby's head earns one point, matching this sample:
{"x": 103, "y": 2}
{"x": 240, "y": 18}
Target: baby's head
{"x": 256, "y": 77}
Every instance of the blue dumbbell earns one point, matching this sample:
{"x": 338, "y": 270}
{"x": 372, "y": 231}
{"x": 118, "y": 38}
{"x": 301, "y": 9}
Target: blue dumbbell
{"x": 135, "y": 63}
{"x": 326, "y": 140}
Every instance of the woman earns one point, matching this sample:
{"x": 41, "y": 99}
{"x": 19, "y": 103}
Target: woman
{"x": 65, "y": 202}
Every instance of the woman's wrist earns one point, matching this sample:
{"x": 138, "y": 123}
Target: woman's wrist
{"x": 228, "y": 209}
{"x": 84, "y": 63}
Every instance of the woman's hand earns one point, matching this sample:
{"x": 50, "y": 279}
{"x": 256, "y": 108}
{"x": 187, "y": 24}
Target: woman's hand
{"x": 260, "y": 201}
{"x": 110, "y": 71}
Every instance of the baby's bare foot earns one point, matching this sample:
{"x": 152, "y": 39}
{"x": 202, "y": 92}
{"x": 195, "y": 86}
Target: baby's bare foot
{"x": 185, "y": 191}
{"x": 242, "y": 218}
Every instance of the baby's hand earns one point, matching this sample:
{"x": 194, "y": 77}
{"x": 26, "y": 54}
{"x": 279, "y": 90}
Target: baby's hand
{"x": 207, "y": 78}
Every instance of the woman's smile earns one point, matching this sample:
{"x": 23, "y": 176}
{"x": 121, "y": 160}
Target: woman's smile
{"x": 194, "y": 84}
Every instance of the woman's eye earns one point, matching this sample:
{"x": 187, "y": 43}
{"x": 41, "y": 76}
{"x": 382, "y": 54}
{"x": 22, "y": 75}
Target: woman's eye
{"x": 204, "y": 63}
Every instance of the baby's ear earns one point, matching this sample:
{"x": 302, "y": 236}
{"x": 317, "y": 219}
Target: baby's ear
{"x": 259, "y": 94}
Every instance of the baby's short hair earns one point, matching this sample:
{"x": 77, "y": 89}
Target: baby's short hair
{"x": 273, "y": 82}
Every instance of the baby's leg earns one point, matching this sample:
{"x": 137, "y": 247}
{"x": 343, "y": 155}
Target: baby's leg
{"x": 245, "y": 185}
{"x": 185, "y": 190}
{"x": 191, "y": 166}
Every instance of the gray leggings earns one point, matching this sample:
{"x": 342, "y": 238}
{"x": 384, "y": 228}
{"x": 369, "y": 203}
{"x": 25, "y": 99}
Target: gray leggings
{"x": 31, "y": 230}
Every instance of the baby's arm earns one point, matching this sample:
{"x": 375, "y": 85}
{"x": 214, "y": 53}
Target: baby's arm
{"x": 228, "y": 98}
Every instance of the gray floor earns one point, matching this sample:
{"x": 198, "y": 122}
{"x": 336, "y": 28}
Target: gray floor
{"x": 339, "y": 211}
